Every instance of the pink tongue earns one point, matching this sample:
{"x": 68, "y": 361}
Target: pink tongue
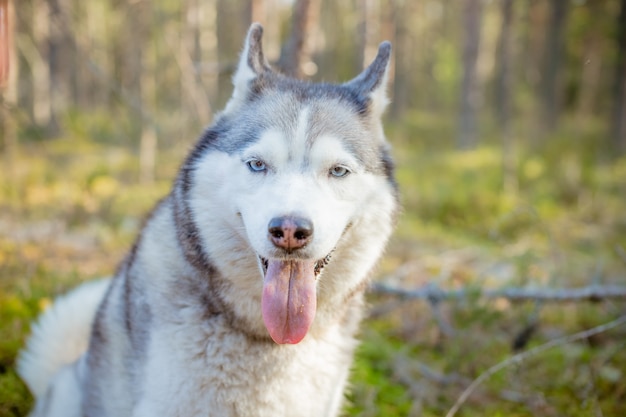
{"x": 289, "y": 299}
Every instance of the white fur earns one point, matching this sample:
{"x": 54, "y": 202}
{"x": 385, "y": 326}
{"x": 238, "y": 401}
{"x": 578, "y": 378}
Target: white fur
{"x": 380, "y": 99}
{"x": 60, "y": 335}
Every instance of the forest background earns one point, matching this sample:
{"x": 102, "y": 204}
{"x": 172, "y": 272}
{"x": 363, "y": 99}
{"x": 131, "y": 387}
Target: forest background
{"x": 508, "y": 121}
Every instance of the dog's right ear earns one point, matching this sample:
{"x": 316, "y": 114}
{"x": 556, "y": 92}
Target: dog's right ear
{"x": 251, "y": 64}
{"x": 372, "y": 82}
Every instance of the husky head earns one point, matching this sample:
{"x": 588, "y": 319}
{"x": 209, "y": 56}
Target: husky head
{"x": 290, "y": 178}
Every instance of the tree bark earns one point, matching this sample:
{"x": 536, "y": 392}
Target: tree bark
{"x": 618, "y": 129}
{"x": 295, "y": 58}
{"x": 553, "y": 56}
{"x": 8, "y": 90}
{"x": 207, "y": 47}
{"x": 591, "y": 65}
{"x": 187, "y": 54}
{"x": 61, "y": 51}
{"x": 257, "y": 10}
{"x": 42, "y": 104}
{"x": 403, "y": 61}
{"x": 145, "y": 70}
{"x": 6, "y": 43}
{"x": 469, "y": 100}
{"x": 368, "y": 32}
{"x": 503, "y": 96}
{"x": 231, "y": 30}
{"x": 589, "y": 79}
{"x": 502, "y": 99}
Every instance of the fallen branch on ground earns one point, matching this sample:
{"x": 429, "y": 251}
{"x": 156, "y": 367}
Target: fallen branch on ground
{"x": 434, "y": 294}
{"x": 524, "y": 355}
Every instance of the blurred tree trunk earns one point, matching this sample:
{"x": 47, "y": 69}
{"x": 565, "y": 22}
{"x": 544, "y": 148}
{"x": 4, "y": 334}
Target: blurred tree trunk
{"x": 388, "y": 32}
{"x": 361, "y": 33}
{"x": 257, "y": 10}
{"x": 232, "y": 22}
{"x": 149, "y": 140}
{"x": 42, "y": 103}
{"x": 619, "y": 98}
{"x": 25, "y": 50}
{"x": 145, "y": 70}
{"x": 187, "y": 55}
{"x": 295, "y": 58}
{"x": 502, "y": 99}
{"x": 590, "y": 77}
{"x": 56, "y": 56}
{"x": 136, "y": 27}
{"x": 403, "y": 61}
{"x": 99, "y": 63}
{"x": 388, "y": 23}
{"x": 554, "y": 47}
{"x": 61, "y": 58}
{"x": 8, "y": 90}
{"x": 88, "y": 17}
{"x": 532, "y": 27}
{"x": 591, "y": 68}
{"x": 126, "y": 39}
{"x": 207, "y": 47}
{"x": 268, "y": 12}
{"x": 469, "y": 99}
{"x": 368, "y": 32}
{"x": 503, "y": 95}
{"x": 6, "y": 43}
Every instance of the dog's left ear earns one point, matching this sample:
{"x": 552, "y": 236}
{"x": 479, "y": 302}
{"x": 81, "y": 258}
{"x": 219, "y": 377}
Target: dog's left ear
{"x": 372, "y": 82}
{"x": 251, "y": 64}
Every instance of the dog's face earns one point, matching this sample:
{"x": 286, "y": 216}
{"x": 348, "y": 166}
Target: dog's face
{"x": 294, "y": 168}
{"x": 309, "y": 176}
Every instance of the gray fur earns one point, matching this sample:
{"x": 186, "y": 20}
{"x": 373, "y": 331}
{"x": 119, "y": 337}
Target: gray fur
{"x": 180, "y": 330}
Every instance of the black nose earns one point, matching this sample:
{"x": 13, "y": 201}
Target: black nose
{"x": 290, "y": 233}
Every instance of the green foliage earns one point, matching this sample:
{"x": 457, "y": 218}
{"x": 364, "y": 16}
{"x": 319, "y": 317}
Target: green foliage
{"x": 421, "y": 371}
{"x": 97, "y": 125}
{"x": 16, "y": 313}
{"x": 15, "y": 397}
{"x": 569, "y": 179}
{"x": 377, "y": 391}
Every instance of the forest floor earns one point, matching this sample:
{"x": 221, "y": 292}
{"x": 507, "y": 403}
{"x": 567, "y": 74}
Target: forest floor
{"x": 70, "y": 209}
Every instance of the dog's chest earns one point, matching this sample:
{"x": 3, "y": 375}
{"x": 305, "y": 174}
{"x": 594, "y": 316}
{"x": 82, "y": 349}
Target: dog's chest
{"x": 218, "y": 372}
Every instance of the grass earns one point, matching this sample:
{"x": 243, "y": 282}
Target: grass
{"x": 70, "y": 208}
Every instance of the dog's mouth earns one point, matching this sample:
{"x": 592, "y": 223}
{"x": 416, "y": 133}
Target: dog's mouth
{"x": 289, "y": 296}
{"x": 317, "y": 270}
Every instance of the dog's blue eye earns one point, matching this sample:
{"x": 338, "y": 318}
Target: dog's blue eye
{"x": 339, "y": 171}
{"x": 256, "y": 165}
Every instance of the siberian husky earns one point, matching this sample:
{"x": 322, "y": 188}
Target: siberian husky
{"x": 243, "y": 293}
